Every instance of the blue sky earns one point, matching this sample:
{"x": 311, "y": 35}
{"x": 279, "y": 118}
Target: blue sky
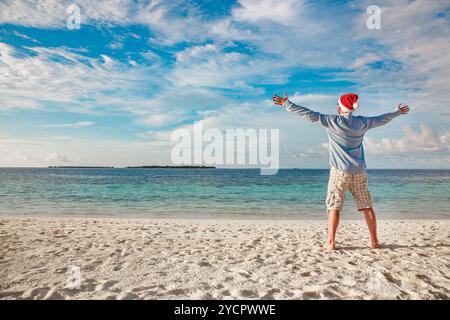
{"x": 111, "y": 92}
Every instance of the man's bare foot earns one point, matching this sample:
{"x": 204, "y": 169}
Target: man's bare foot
{"x": 331, "y": 245}
{"x": 375, "y": 244}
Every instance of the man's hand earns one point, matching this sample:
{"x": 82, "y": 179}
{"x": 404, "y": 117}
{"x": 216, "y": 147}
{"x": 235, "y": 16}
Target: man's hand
{"x": 403, "y": 109}
{"x": 279, "y": 100}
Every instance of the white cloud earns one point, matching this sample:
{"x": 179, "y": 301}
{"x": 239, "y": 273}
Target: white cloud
{"x": 46, "y": 151}
{"x": 170, "y": 27}
{"x": 364, "y": 60}
{"x": 191, "y": 54}
{"x": 81, "y": 124}
{"x": 10, "y": 101}
{"x": 67, "y": 80}
{"x": 173, "y": 106}
{"x": 314, "y": 101}
{"x": 222, "y": 66}
{"x": 53, "y": 14}
{"x": 305, "y": 153}
{"x": 50, "y": 158}
{"x": 208, "y": 67}
{"x": 62, "y": 79}
{"x": 281, "y": 11}
{"x": 414, "y": 36}
{"x": 23, "y": 36}
{"x": 225, "y": 29}
{"x": 423, "y": 142}
{"x": 153, "y": 13}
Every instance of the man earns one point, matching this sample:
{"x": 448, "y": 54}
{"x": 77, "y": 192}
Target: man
{"x": 345, "y": 136}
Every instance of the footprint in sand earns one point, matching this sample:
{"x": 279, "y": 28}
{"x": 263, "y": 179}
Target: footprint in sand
{"x": 92, "y": 266}
{"x": 127, "y": 296}
{"x": 225, "y": 293}
{"x": 11, "y": 294}
{"x": 106, "y": 285}
{"x": 88, "y": 285}
{"x": 140, "y": 289}
{"x": 117, "y": 267}
{"x": 52, "y": 294}
{"x": 178, "y": 292}
{"x": 305, "y": 274}
{"x": 36, "y": 293}
{"x": 248, "y": 294}
{"x": 312, "y": 295}
{"x": 149, "y": 294}
{"x": 218, "y": 286}
{"x": 391, "y": 279}
{"x": 204, "y": 264}
{"x": 61, "y": 270}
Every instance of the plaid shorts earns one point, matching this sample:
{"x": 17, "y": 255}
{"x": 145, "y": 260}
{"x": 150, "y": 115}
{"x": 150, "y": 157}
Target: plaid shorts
{"x": 340, "y": 182}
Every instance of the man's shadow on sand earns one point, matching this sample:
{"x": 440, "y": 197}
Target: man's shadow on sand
{"x": 395, "y": 246}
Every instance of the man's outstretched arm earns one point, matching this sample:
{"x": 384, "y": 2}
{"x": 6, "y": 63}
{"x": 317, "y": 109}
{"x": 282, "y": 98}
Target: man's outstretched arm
{"x": 301, "y": 111}
{"x": 373, "y": 122}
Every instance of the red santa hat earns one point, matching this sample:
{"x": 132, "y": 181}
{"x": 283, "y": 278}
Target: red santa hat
{"x": 348, "y": 102}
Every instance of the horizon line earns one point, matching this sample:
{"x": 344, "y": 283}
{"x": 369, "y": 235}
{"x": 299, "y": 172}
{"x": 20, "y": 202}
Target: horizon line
{"x": 188, "y": 167}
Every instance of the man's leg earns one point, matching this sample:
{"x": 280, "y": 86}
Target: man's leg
{"x": 337, "y": 187}
{"x": 333, "y": 223}
{"x": 360, "y": 192}
{"x": 371, "y": 221}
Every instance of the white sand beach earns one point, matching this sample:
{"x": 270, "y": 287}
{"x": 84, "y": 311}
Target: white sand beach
{"x": 221, "y": 259}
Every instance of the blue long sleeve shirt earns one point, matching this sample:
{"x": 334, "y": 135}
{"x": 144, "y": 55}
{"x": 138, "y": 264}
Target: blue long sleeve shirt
{"x": 345, "y": 134}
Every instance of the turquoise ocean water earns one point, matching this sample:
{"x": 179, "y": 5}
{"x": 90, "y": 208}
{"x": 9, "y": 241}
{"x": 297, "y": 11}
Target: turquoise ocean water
{"x": 210, "y": 193}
